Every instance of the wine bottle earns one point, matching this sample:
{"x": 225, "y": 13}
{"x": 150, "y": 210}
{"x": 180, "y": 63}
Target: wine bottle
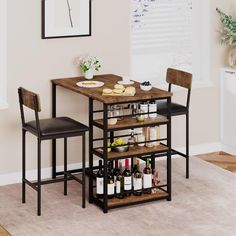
{"x": 99, "y": 181}
{"x": 127, "y": 179}
{"x": 119, "y": 183}
{"x": 110, "y": 181}
{"x": 116, "y": 171}
{"x": 137, "y": 180}
{"x": 119, "y": 180}
{"x": 147, "y": 178}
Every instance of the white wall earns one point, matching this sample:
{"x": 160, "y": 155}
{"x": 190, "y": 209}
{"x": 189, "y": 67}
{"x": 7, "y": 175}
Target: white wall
{"x": 33, "y": 62}
{"x": 3, "y": 54}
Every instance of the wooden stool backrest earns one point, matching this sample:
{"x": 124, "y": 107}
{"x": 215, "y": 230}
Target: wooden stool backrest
{"x": 32, "y": 101}
{"x": 29, "y": 99}
{"x": 179, "y": 78}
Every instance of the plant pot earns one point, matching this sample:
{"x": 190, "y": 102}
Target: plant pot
{"x": 88, "y": 74}
{"x": 232, "y": 57}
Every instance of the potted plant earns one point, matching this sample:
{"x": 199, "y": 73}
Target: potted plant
{"x": 228, "y": 35}
{"x": 88, "y": 64}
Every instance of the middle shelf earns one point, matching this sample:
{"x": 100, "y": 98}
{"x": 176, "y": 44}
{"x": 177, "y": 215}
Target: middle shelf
{"x": 132, "y": 152}
{"x": 128, "y": 123}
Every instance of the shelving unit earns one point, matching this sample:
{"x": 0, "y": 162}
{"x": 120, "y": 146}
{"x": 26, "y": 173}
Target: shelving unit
{"x": 127, "y": 123}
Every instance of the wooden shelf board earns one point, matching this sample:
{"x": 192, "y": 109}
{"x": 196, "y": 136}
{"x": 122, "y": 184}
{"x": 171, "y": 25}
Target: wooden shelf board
{"x": 135, "y": 151}
{"x": 115, "y": 202}
{"x": 127, "y": 122}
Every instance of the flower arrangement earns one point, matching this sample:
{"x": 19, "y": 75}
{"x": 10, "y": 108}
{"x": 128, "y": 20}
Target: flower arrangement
{"x": 87, "y": 63}
{"x": 228, "y": 32}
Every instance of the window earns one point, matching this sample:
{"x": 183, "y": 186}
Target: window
{"x": 3, "y": 53}
{"x": 169, "y": 33}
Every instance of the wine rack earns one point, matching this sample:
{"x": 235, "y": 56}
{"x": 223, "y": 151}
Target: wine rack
{"x": 108, "y": 135}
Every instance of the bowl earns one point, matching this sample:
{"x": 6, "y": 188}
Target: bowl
{"x": 120, "y": 149}
{"x": 146, "y": 87}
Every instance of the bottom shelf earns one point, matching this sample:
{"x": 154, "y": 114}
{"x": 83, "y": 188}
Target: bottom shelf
{"x": 115, "y": 202}
{"x": 132, "y": 200}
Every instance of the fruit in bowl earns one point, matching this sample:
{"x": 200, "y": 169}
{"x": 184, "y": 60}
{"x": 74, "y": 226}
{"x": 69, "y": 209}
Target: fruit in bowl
{"x": 119, "y": 145}
{"x": 146, "y": 86}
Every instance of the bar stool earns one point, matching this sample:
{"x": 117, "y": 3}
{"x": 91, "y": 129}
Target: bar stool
{"x": 48, "y": 129}
{"x": 182, "y": 79}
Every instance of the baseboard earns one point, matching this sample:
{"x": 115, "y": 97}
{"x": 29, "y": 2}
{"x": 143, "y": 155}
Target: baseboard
{"x": 13, "y": 178}
{"x": 46, "y": 173}
{"x": 202, "y": 148}
{"x": 229, "y": 149}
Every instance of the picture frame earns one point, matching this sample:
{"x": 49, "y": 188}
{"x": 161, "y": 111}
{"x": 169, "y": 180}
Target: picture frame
{"x": 66, "y": 18}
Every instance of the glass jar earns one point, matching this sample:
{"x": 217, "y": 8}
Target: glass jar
{"x": 110, "y": 114}
{"x": 119, "y": 111}
{"x": 153, "y": 108}
{"x": 153, "y": 136}
{"x": 133, "y": 107}
{"x": 141, "y": 138}
{"x": 144, "y": 108}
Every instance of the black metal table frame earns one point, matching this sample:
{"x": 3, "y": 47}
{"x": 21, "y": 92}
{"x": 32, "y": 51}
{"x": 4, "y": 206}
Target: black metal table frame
{"x": 89, "y": 170}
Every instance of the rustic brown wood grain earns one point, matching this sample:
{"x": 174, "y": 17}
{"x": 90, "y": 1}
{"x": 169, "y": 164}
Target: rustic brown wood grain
{"x": 133, "y": 199}
{"x": 221, "y": 159}
{"x": 110, "y": 80}
{"x": 28, "y": 99}
{"x": 135, "y": 151}
{"x": 178, "y": 77}
{"x": 128, "y": 122}
{"x": 3, "y": 232}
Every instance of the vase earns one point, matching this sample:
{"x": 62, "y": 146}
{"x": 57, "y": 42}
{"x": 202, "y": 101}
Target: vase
{"x": 232, "y": 57}
{"x": 88, "y": 74}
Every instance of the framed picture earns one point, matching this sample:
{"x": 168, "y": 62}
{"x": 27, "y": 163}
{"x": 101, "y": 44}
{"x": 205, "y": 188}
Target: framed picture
{"x": 66, "y": 18}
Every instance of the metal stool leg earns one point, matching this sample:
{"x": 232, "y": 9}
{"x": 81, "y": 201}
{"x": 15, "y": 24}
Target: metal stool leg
{"x": 54, "y": 158}
{"x": 23, "y": 165}
{"x": 83, "y": 174}
{"x": 39, "y": 177}
{"x": 187, "y": 145}
{"x": 65, "y": 166}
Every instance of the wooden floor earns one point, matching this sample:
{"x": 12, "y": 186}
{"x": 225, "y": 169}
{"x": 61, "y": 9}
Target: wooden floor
{"x": 221, "y": 159}
{"x": 3, "y": 232}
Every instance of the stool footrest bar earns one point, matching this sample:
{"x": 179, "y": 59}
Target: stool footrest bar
{"x": 74, "y": 178}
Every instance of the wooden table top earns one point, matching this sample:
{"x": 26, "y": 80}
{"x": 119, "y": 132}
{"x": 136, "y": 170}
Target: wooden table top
{"x": 109, "y": 82}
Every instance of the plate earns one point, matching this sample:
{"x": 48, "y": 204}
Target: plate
{"x": 90, "y": 84}
{"x": 125, "y": 83}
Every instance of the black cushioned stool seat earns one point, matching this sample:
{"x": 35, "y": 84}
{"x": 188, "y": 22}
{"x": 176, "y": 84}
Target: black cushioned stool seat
{"x": 60, "y": 126}
{"x": 176, "y": 109}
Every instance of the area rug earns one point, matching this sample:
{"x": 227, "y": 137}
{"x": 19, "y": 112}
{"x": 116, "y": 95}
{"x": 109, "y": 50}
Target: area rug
{"x": 203, "y": 205}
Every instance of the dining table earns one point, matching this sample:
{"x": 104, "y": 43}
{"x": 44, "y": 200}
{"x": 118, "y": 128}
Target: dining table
{"x": 108, "y": 131}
